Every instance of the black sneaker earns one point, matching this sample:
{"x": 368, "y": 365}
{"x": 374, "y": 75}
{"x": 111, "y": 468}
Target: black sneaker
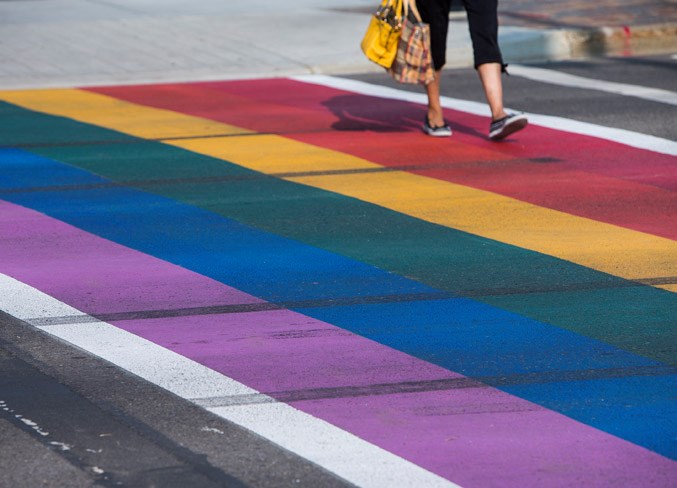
{"x": 439, "y": 131}
{"x": 509, "y": 124}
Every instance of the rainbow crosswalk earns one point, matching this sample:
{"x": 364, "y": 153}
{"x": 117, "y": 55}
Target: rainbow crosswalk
{"x": 484, "y": 311}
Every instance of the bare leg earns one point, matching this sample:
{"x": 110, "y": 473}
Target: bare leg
{"x": 490, "y": 76}
{"x": 435, "y": 115}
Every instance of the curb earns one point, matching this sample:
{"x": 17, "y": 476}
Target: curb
{"x": 625, "y": 40}
{"x": 523, "y": 45}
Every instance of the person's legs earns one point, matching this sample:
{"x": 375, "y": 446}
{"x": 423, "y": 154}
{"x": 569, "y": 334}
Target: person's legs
{"x": 483, "y": 24}
{"x": 436, "y": 14}
{"x": 435, "y": 115}
{"x": 490, "y": 76}
{"x": 434, "y": 124}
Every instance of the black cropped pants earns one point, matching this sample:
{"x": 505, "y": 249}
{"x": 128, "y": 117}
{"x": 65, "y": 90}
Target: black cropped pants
{"x": 483, "y": 24}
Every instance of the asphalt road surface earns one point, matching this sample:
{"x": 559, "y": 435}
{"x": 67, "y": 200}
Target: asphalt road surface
{"x": 343, "y": 295}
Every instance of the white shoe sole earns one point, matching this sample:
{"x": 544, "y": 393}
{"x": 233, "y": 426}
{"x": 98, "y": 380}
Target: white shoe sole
{"x": 436, "y": 133}
{"x": 516, "y": 124}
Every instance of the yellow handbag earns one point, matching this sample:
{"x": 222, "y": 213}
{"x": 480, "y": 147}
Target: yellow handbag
{"x": 383, "y": 34}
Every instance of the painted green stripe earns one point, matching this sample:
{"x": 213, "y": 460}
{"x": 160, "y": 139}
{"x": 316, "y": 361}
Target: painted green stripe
{"x": 634, "y": 317}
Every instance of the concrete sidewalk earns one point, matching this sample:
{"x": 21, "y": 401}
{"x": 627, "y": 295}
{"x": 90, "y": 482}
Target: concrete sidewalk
{"x": 89, "y": 42}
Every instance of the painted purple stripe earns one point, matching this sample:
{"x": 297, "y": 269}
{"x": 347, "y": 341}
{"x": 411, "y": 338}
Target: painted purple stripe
{"x": 473, "y": 436}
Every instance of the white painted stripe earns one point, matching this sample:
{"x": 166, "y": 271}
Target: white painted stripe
{"x": 565, "y": 79}
{"x": 620, "y": 136}
{"x": 334, "y": 449}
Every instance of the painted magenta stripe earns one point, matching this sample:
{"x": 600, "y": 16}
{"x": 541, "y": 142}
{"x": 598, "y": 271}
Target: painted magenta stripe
{"x": 389, "y": 134}
{"x": 333, "y": 374}
{"x": 526, "y": 283}
{"x": 278, "y": 269}
{"x": 629, "y": 254}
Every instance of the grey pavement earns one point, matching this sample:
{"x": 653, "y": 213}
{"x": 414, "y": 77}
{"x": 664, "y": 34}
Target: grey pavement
{"x": 92, "y": 42}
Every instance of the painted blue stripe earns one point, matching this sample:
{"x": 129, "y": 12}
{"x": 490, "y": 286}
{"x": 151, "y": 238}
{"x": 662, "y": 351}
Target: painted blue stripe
{"x": 459, "y": 334}
{"x": 530, "y": 360}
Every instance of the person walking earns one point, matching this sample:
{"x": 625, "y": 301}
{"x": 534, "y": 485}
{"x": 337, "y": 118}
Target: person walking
{"x": 483, "y": 24}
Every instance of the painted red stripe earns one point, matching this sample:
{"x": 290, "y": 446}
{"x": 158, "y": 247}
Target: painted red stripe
{"x": 584, "y": 176}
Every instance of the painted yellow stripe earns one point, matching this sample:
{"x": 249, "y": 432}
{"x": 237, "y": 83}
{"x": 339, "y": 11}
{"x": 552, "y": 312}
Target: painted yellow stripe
{"x": 611, "y": 249}
{"x": 118, "y": 115}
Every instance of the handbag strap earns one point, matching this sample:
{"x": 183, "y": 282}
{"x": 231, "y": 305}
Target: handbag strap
{"x": 411, "y": 4}
{"x": 399, "y": 5}
{"x": 390, "y": 11}
{"x": 393, "y": 5}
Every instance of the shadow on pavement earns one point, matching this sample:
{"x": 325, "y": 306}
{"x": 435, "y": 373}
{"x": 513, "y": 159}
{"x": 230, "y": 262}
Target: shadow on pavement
{"x": 381, "y": 116}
